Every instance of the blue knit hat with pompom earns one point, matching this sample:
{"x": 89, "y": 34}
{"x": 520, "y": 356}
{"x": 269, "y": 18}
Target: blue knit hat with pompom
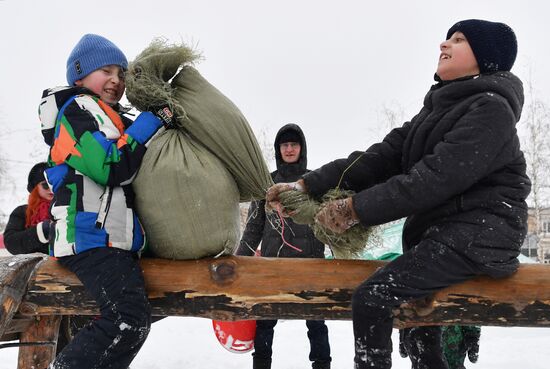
{"x": 91, "y": 53}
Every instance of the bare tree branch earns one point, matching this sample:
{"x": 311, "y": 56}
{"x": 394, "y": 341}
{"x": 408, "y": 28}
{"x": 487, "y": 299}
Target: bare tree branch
{"x": 536, "y": 148}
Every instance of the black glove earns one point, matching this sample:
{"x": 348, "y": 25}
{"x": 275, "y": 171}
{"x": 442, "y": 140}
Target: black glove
{"x": 165, "y": 114}
{"x": 471, "y": 342}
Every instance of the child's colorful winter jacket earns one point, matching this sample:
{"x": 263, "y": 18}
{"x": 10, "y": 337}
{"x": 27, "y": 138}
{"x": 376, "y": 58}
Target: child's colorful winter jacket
{"x": 95, "y": 154}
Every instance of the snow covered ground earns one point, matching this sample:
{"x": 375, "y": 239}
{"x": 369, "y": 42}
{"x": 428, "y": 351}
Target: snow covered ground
{"x": 189, "y": 343}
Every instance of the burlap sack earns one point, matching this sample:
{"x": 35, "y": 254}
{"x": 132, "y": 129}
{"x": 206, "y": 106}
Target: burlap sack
{"x": 186, "y": 199}
{"x": 219, "y": 125}
{"x": 162, "y": 74}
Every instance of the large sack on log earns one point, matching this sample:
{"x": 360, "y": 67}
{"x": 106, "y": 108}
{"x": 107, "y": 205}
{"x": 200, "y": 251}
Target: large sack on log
{"x": 187, "y": 200}
{"x": 219, "y": 125}
{"x": 162, "y": 74}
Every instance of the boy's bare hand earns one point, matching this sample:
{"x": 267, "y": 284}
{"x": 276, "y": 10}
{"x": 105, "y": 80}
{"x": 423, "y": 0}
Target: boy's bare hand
{"x": 272, "y": 196}
{"x": 338, "y": 215}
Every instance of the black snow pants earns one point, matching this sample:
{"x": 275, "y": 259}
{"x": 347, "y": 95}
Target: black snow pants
{"x": 114, "y": 279}
{"x": 317, "y": 334}
{"x": 419, "y": 272}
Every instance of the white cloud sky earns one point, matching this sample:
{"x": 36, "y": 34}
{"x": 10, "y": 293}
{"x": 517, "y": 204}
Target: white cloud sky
{"x": 329, "y": 66}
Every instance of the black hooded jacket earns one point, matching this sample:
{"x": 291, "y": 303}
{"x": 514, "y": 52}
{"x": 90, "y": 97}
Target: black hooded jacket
{"x": 267, "y": 227}
{"x": 455, "y": 171}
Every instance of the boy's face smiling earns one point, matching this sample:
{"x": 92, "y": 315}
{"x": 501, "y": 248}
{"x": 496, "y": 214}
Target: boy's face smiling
{"x": 456, "y": 59}
{"x": 107, "y": 82}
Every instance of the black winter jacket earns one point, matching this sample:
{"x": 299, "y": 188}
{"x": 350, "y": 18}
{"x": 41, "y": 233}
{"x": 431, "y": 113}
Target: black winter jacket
{"x": 260, "y": 226}
{"x": 21, "y": 240}
{"x": 455, "y": 171}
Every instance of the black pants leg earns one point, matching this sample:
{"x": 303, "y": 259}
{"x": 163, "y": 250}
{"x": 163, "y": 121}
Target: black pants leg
{"x": 318, "y": 340}
{"x": 428, "y": 267}
{"x": 424, "y": 347}
{"x": 264, "y": 339}
{"x": 114, "y": 279}
{"x": 69, "y": 327}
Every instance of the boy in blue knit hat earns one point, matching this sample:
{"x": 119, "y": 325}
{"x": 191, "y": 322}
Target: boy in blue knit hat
{"x": 455, "y": 171}
{"x": 95, "y": 152}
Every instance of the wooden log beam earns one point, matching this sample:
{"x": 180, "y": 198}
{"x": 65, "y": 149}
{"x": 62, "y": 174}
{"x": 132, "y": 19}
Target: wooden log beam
{"x": 232, "y": 288}
{"x": 17, "y": 325}
{"x": 15, "y": 274}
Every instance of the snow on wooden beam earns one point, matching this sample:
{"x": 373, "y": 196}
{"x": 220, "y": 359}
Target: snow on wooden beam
{"x": 232, "y": 288}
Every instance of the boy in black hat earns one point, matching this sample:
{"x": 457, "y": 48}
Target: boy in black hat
{"x": 455, "y": 171}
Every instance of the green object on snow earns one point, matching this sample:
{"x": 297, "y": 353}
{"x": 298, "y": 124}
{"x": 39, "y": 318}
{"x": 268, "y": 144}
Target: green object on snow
{"x": 389, "y": 256}
{"x": 459, "y": 342}
{"x": 389, "y": 241}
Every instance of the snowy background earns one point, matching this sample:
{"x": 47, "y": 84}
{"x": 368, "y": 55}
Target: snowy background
{"x": 331, "y": 67}
{"x": 189, "y": 343}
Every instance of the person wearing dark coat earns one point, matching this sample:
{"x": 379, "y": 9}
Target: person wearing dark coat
{"x": 291, "y": 159}
{"x": 28, "y": 226}
{"x": 455, "y": 171}
{"x": 27, "y": 231}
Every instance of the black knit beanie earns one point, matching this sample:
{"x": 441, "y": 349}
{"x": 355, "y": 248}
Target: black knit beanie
{"x": 36, "y": 175}
{"x": 494, "y": 44}
{"x": 289, "y": 136}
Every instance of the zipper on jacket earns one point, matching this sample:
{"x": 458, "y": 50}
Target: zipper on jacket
{"x": 459, "y": 203}
{"x": 104, "y": 207}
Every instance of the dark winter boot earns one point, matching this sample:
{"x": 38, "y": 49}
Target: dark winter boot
{"x": 261, "y": 363}
{"x": 320, "y": 365}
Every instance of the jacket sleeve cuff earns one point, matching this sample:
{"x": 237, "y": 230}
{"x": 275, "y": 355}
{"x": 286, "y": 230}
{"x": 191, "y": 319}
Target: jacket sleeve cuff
{"x": 40, "y": 232}
{"x": 314, "y": 186}
{"x": 365, "y": 212}
{"x": 144, "y": 127}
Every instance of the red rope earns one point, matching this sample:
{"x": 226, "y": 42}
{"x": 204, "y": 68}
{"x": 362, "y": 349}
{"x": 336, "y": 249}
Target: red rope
{"x": 283, "y": 232}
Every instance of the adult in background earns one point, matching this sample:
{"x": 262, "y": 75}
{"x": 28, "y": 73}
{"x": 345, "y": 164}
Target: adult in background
{"x": 28, "y": 226}
{"x": 27, "y": 231}
{"x": 291, "y": 159}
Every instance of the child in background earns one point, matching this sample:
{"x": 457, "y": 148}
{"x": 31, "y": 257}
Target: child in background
{"x": 95, "y": 152}
{"x": 455, "y": 171}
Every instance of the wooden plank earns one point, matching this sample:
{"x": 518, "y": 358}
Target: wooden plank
{"x": 9, "y": 337}
{"x": 19, "y": 324}
{"x": 266, "y": 288}
{"x": 15, "y": 273}
{"x": 42, "y": 337}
